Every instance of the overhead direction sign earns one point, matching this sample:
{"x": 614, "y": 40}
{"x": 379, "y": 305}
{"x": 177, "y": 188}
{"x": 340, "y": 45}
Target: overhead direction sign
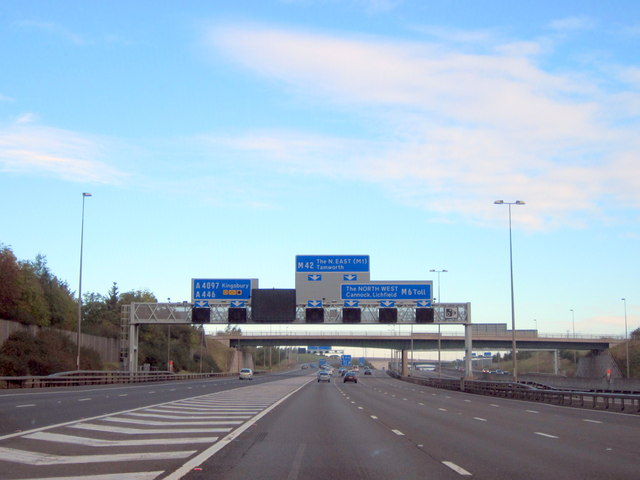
{"x": 387, "y": 291}
{"x": 219, "y": 289}
{"x": 332, "y": 263}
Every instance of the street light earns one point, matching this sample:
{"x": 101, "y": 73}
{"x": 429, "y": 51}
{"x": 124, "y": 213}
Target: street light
{"x": 573, "y": 326}
{"x": 84, "y": 195}
{"x": 513, "y": 311}
{"x": 626, "y": 338}
{"x": 439, "y": 301}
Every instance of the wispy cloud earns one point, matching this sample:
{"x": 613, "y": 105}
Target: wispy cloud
{"x": 38, "y": 150}
{"x": 56, "y": 30}
{"x": 4, "y": 98}
{"x": 462, "y": 129}
{"x": 573, "y": 23}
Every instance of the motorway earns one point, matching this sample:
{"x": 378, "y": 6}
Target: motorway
{"x": 291, "y": 427}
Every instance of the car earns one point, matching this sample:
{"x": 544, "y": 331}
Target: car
{"x": 305, "y": 366}
{"x": 246, "y": 374}
{"x": 367, "y": 372}
{"x": 324, "y": 376}
{"x": 350, "y": 377}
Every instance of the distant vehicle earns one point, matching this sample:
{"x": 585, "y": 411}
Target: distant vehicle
{"x": 305, "y": 366}
{"x": 246, "y": 374}
{"x": 350, "y": 377}
{"x": 367, "y": 372}
{"x": 324, "y": 376}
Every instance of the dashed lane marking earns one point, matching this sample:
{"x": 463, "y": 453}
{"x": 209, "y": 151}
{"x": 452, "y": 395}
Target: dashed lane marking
{"x": 459, "y": 470}
{"x": 545, "y": 435}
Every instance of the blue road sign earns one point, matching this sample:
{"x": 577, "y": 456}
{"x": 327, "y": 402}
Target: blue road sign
{"x": 314, "y": 303}
{"x": 424, "y": 303}
{"x": 220, "y": 289}
{"x": 345, "y": 360}
{"x": 386, "y": 291}
{"x": 332, "y": 263}
{"x": 316, "y": 348}
{"x": 201, "y": 304}
{"x": 361, "y": 361}
{"x": 352, "y": 303}
{"x": 314, "y": 278}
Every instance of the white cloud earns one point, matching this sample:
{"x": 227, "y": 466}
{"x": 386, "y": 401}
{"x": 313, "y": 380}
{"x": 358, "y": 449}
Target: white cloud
{"x": 39, "y": 150}
{"x": 4, "y": 98}
{"x": 463, "y": 129}
{"x": 54, "y": 29}
{"x": 573, "y": 23}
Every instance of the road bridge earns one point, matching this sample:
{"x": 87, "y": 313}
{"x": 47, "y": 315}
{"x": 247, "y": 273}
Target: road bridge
{"x": 419, "y": 341}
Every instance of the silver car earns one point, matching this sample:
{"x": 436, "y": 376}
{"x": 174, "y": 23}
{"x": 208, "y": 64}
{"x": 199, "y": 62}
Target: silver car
{"x": 324, "y": 376}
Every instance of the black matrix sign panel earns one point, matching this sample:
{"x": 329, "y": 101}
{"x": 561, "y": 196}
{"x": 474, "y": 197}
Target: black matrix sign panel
{"x": 273, "y": 305}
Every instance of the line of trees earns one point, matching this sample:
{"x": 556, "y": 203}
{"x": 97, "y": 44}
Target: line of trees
{"x": 32, "y": 295}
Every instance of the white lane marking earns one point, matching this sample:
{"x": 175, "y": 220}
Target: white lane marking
{"x": 123, "y": 395}
{"x": 135, "y": 421}
{"x": 591, "y": 421}
{"x": 480, "y": 419}
{"x": 545, "y": 435}
{"x": 97, "y": 442}
{"x": 374, "y": 417}
{"x": 84, "y": 399}
{"x": 142, "y": 431}
{"x": 442, "y": 409}
{"x": 32, "y": 458}
{"x": 153, "y": 391}
{"x": 26, "y": 405}
{"x": 420, "y": 403}
{"x": 110, "y": 476}
{"x": 468, "y": 401}
{"x": 398, "y": 432}
{"x": 404, "y": 399}
{"x": 459, "y": 470}
{"x": 532, "y": 411}
{"x": 360, "y": 408}
{"x": 228, "y": 416}
{"x": 494, "y": 405}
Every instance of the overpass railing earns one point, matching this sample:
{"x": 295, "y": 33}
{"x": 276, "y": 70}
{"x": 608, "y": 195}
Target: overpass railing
{"x": 399, "y": 333}
{"x": 623, "y": 402}
{"x": 77, "y": 378}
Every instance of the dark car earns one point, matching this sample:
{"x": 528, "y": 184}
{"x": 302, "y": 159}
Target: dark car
{"x": 350, "y": 377}
{"x": 367, "y": 372}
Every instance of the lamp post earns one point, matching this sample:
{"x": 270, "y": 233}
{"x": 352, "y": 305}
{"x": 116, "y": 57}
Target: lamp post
{"x": 513, "y": 311}
{"x": 573, "y": 326}
{"x": 626, "y": 337}
{"x": 439, "y": 301}
{"x": 537, "y": 351}
{"x": 84, "y": 195}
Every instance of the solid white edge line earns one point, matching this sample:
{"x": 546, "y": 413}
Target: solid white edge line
{"x": 459, "y": 470}
{"x": 199, "y": 459}
{"x": 545, "y": 435}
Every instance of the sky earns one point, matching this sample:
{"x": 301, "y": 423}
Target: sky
{"x": 221, "y": 139}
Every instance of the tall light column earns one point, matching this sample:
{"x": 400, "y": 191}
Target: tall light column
{"x": 513, "y": 310}
{"x": 626, "y": 335}
{"x": 84, "y": 195}
{"x": 439, "y": 301}
{"x": 573, "y": 327}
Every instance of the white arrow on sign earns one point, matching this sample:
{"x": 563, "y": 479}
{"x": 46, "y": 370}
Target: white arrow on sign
{"x": 388, "y": 303}
{"x": 314, "y": 278}
{"x": 202, "y": 304}
{"x": 351, "y": 303}
{"x": 424, "y": 303}
{"x": 314, "y": 303}
{"x": 350, "y": 278}
{"x": 237, "y": 303}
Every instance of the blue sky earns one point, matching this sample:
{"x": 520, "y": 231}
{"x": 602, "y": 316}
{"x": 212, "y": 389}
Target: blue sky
{"x": 222, "y": 139}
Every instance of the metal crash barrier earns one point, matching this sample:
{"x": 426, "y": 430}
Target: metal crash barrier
{"x": 622, "y": 402}
{"x": 72, "y": 379}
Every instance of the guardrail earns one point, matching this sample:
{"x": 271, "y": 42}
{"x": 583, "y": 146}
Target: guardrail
{"x": 628, "y": 403}
{"x": 77, "y": 378}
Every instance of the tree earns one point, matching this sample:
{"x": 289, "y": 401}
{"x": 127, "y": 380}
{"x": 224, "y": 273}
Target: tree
{"x": 635, "y": 335}
{"x": 9, "y": 288}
